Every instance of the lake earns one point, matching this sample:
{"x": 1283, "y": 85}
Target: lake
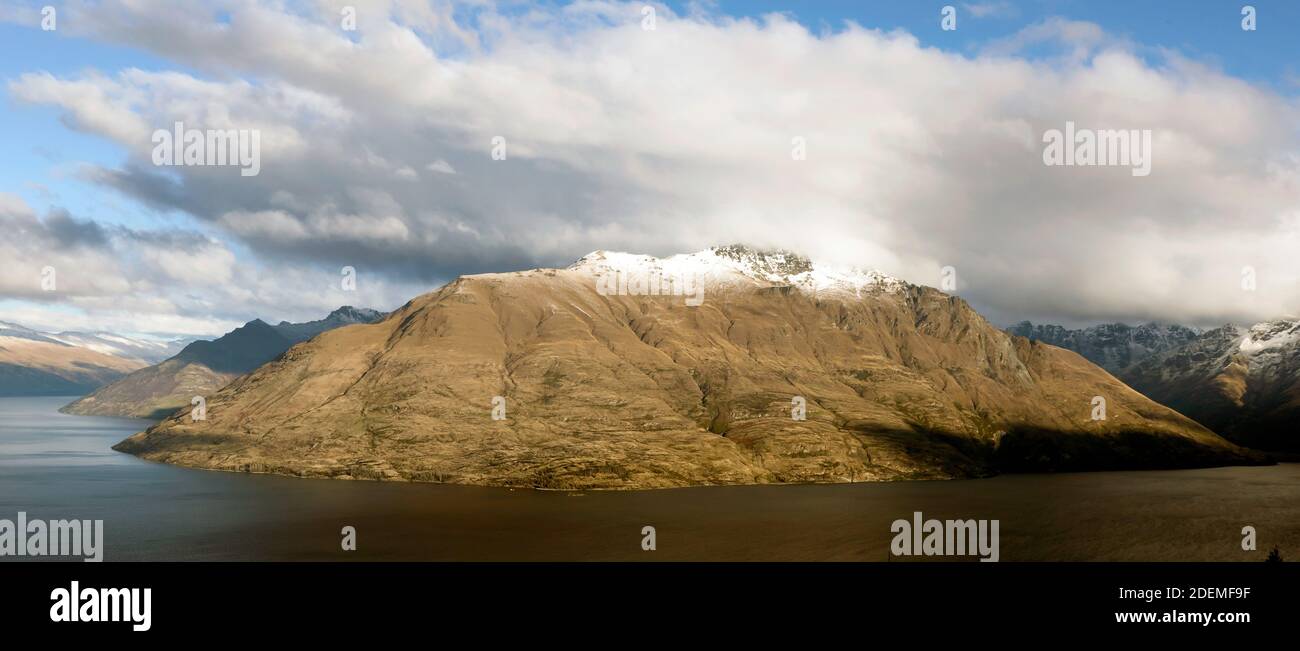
{"x": 56, "y": 466}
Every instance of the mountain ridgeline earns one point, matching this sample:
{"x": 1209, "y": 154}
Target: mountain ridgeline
{"x": 1242, "y": 382}
{"x": 238, "y": 351}
{"x": 788, "y": 371}
{"x": 202, "y": 367}
{"x": 34, "y": 363}
{"x": 1112, "y": 346}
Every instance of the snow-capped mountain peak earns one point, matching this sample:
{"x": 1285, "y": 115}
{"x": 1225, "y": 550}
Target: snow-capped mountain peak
{"x": 108, "y": 343}
{"x": 1240, "y": 381}
{"x": 1270, "y": 335}
{"x": 737, "y": 264}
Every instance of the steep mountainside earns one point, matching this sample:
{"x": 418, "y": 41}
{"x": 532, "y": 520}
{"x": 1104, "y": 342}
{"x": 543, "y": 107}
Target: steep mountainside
{"x": 205, "y": 366}
{"x": 1243, "y": 383}
{"x": 1112, "y": 346}
{"x": 627, "y": 371}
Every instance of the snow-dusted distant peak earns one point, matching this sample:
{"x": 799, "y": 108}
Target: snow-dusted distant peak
{"x": 1270, "y": 335}
{"x": 145, "y": 349}
{"x": 729, "y": 265}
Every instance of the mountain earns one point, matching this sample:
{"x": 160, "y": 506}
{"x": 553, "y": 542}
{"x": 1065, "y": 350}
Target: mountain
{"x": 33, "y": 363}
{"x": 628, "y": 371}
{"x": 16, "y": 331}
{"x": 1112, "y": 346}
{"x": 346, "y": 315}
{"x": 150, "y": 351}
{"x": 202, "y": 367}
{"x": 238, "y": 351}
{"x": 1242, "y": 382}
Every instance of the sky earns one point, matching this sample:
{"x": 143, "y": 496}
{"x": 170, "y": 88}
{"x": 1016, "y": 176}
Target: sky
{"x": 920, "y": 149}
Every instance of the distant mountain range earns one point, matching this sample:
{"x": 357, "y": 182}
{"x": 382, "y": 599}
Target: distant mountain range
{"x": 150, "y": 351}
{"x": 34, "y": 363}
{"x": 726, "y": 366}
{"x": 1243, "y": 382}
{"x": 1112, "y": 346}
{"x": 346, "y": 315}
{"x": 202, "y": 367}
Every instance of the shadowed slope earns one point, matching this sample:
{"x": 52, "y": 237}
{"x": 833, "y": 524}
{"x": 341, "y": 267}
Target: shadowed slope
{"x": 1244, "y": 382}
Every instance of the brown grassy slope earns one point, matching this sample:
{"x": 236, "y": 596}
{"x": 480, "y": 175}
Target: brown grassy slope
{"x": 152, "y": 392}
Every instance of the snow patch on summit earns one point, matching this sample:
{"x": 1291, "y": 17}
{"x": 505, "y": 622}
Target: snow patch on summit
{"x": 739, "y": 265}
{"x": 1270, "y": 334}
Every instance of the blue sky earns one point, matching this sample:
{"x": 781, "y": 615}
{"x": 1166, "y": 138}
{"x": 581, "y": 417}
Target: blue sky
{"x": 1208, "y": 30}
{"x": 43, "y": 154}
{"x": 40, "y": 150}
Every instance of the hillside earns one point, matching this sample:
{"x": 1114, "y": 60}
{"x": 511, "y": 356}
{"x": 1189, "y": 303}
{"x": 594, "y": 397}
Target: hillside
{"x": 609, "y": 382}
{"x": 202, "y": 367}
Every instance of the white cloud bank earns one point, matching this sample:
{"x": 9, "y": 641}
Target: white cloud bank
{"x": 681, "y": 137}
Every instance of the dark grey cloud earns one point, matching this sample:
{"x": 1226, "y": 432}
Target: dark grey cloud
{"x": 60, "y": 229}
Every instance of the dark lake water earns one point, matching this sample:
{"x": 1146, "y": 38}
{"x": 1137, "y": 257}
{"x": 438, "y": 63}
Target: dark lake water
{"x": 56, "y": 466}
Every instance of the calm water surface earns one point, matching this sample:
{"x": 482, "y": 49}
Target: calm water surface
{"x": 55, "y": 466}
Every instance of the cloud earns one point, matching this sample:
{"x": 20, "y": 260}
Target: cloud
{"x": 989, "y": 9}
{"x": 681, "y": 137}
{"x": 441, "y": 166}
{"x": 1076, "y": 38}
{"x": 53, "y": 256}
{"x": 157, "y": 281}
